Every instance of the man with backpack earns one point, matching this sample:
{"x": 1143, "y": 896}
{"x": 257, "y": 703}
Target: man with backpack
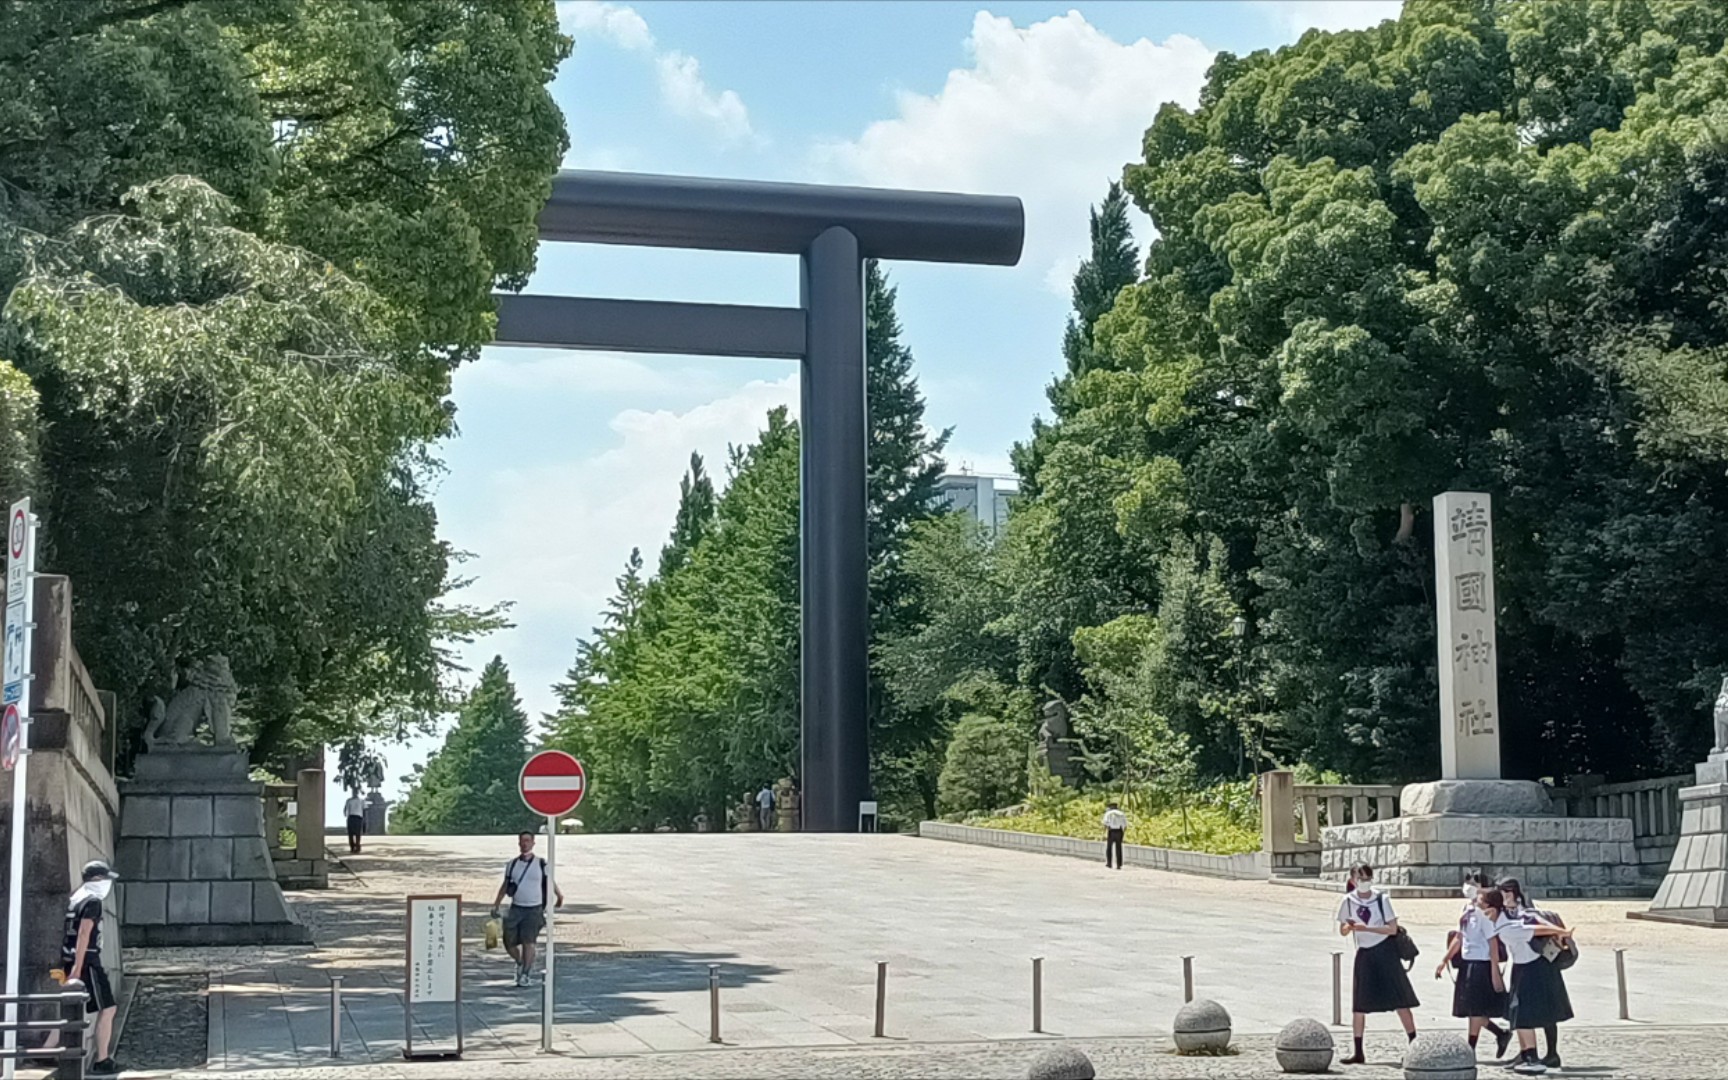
{"x": 525, "y": 883}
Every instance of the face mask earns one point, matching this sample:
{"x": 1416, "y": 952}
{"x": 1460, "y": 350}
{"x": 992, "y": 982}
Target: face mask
{"x": 99, "y": 888}
{"x": 1363, "y": 888}
{"x": 1469, "y": 891}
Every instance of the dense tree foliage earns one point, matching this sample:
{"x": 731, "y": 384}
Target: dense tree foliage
{"x": 1477, "y": 247}
{"x": 686, "y": 697}
{"x": 242, "y": 246}
{"x": 468, "y": 786}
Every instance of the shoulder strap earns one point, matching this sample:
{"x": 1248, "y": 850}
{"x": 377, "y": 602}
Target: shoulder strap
{"x": 1380, "y": 898}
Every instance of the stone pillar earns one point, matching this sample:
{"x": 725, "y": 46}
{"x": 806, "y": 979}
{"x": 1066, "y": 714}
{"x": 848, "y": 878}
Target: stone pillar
{"x": 1464, "y": 591}
{"x": 1278, "y": 813}
{"x": 309, "y": 816}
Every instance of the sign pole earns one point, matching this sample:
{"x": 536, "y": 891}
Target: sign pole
{"x": 551, "y": 901}
{"x": 552, "y": 784}
{"x": 20, "y": 604}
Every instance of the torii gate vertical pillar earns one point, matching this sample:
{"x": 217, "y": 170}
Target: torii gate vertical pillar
{"x": 834, "y": 660}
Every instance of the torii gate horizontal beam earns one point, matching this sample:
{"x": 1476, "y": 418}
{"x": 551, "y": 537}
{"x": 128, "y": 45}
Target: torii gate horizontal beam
{"x": 650, "y": 326}
{"x": 781, "y": 219}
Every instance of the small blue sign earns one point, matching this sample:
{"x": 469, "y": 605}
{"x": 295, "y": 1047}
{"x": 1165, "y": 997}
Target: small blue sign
{"x": 14, "y": 693}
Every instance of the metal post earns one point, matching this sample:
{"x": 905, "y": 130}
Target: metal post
{"x": 881, "y": 997}
{"x": 714, "y": 1003}
{"x": 1187, "y": 978}
{"x": 335, "y": 1016}
{"x": 1337, "y": 989}
{"x": 76, "y": 1034}
{"x": 1620, "y": 979}
{"x": 834, "y": 654}
{"x": 549, "y": 898}
{"x": 1038, "y": 994}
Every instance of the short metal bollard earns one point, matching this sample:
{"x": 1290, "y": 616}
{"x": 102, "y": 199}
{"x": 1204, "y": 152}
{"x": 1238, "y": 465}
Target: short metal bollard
{"x": 714, "y": 1003}
{"x": 1620, "y": 979}
{"x": 335, "y": 1016}
{"x": 1038, "y": 994}
{"x": 1187, "y": 979}
{"x": 1337, "y": 989}
{"x": 881, "y": 998}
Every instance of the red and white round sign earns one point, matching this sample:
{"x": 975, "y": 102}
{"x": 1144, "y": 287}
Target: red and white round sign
{"x": 553, "y": 783}
{"x": 11, "y": 738}
{"x": 19, "y": 529}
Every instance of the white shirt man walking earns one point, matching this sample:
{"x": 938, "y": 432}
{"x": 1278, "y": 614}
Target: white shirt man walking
{"x": 525, "y": 883}
{"x": 765, "y": 808}
{"x": 1115, "y": 828}
{"x": 355, "y": 810}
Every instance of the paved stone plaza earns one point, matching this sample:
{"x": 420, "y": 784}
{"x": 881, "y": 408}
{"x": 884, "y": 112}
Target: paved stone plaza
{"x": 797, "y": 924}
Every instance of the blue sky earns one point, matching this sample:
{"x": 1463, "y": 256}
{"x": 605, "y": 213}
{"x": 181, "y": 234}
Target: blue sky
{"x": 566, "y": 461}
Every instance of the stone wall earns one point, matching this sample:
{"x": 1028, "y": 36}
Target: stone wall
{"x": 1250, "y": 867}
{"x": 1552, "y": 856}
{"x": 71, "y": 802}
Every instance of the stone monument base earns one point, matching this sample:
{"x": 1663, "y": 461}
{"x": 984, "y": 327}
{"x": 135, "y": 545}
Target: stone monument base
{"x": 1509, "y": 831}
{"x": 193, "y": 863}
{"x": 1695, "y": 890}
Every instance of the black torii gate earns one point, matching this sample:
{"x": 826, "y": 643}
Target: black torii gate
{"x": 833, "y": 230}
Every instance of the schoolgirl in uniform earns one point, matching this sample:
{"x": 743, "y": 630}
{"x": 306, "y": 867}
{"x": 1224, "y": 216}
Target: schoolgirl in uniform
{"x": 1479, "y": 995}
{"x": 1518, "y": 904}
{"x": 1538, "y": 997}
{"x": 1379, "y": 983}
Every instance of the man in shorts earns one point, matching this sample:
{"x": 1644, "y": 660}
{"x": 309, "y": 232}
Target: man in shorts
{"x": 525, "y": 883}
{"x": 81, "y": 957}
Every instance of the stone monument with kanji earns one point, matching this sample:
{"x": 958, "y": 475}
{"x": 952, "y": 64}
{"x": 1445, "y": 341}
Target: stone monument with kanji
{"x": 1473, "y": 819}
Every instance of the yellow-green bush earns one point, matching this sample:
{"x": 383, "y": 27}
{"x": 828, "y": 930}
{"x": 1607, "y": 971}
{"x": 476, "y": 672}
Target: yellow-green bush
{"x": 1215, "y": 821}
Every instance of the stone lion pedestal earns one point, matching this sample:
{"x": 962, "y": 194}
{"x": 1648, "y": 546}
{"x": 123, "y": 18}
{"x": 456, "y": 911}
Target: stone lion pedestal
{"x": 193, "y": 863}
{"x": 1695, "y": 890}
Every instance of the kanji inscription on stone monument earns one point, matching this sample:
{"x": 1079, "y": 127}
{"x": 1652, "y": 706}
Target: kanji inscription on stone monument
{"x": 1469, "y": 685}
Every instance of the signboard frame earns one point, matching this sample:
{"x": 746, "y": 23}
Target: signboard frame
{"x": 410, "y": 940}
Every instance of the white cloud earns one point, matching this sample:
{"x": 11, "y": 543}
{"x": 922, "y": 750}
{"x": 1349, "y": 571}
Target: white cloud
{"x": 682, "y": 87}
{"x": 552, "y": 537}
{"x": 1299, "y": 16}
{"x": 1050, "y": 112}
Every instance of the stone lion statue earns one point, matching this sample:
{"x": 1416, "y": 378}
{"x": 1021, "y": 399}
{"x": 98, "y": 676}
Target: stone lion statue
{"x": 207, "y": 698}
{"x": 1721, "y": 718}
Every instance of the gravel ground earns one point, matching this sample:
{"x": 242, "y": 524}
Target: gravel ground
{"x": 1695, "y": 1053}
{"x": 168, "y": 1026}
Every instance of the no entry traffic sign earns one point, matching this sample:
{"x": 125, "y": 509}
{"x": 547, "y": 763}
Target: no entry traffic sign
{"x": 553, "y": 783}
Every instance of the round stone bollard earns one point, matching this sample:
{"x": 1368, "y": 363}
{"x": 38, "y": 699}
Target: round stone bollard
{"x": 1202, "y": 1027}
{"x": 1439, "y": 1055}
{"x": 1060, "y": 1062}
{"x": 1304, "y": 1046}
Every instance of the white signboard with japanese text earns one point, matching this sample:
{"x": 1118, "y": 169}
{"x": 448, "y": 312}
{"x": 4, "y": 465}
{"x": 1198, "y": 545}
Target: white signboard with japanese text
{"x": 434, "y": 948}
{"x": 1469, "y": 683}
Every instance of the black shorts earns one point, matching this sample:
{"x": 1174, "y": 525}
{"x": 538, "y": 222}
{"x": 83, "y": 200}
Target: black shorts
{"x": 99, "y": 993}
{"x": 356, "y": 826}
{"x": 522, "y": 925}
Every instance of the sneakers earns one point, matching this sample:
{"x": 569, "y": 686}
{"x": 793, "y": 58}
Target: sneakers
{"x": 1530, "y": 1067}
{"x": 522, "y": 977}
{"x": 1501, "y": 1042}
{"x": 1552, "y": 1060}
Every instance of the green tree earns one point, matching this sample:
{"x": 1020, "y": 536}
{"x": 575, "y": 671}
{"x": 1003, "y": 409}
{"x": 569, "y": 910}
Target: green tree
{"x": 286, "y": 354}
{"x": 985, "y": 767}
{"x": 468, "y": 786}
{"x": 1472, "y": 248}
{"x": 904, "y": 462}
{"x": 695, "y": 515}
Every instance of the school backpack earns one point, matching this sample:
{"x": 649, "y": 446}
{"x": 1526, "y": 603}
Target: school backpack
{"x": 1562, "y": 956}
{"x": 1402, "y": 941}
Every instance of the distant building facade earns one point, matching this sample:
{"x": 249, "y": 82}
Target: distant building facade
{"x": 982, "y": 497}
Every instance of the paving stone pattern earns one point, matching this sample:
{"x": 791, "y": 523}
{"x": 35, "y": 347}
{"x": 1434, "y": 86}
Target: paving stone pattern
{"x": 797, "y": 924}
